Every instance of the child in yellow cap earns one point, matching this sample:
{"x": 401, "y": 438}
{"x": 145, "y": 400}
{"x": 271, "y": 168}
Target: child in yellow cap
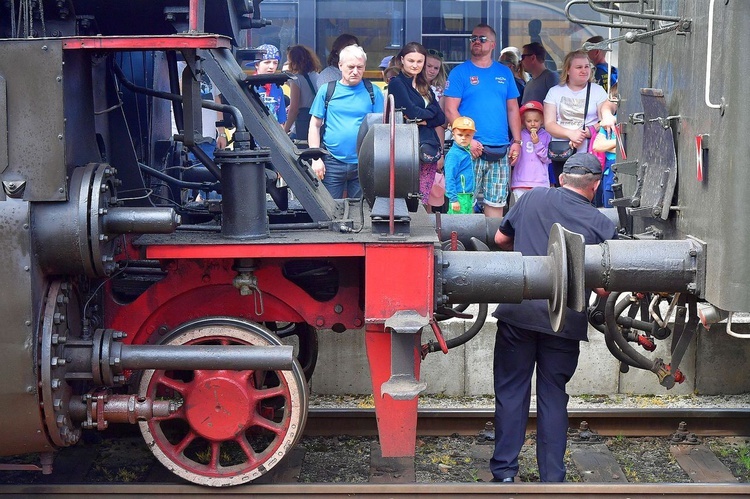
{"x": 459, "y": 167}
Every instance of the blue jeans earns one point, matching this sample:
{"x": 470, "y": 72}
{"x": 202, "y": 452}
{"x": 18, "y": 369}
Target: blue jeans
{"x": 208, "y": 147}
{"x": 518, "y": 352}
{"x": 341, "y": 178}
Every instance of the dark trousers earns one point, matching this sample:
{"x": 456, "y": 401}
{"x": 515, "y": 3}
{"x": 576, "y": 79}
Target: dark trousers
{"x": 517, "y": 351}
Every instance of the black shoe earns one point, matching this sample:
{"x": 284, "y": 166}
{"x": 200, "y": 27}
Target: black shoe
{"x": 509, "y": 479}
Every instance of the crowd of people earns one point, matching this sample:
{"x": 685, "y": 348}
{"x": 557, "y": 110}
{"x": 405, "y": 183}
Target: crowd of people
{"x": 529, "y": 146}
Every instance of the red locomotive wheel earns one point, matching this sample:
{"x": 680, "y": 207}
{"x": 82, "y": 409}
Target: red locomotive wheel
{"x": 232, "y": 426}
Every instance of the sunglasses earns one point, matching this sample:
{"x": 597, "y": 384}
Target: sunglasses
{"x": 524, "y": 56}
{"x": 435, "y": 53}
{"x": 480, "y": 39}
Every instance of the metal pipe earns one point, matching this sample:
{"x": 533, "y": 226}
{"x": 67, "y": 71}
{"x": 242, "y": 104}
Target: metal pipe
{"x": 205, "y": 185}
{"x": 466, "y": 227}
{"x": 657, "y": 266}
{"x": 502, "y": 277}
{"x": 140, "y": 220}
{"x": 213, "y": 357}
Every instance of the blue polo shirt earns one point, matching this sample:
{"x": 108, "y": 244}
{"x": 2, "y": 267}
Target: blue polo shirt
{"x": 529, "y": 222}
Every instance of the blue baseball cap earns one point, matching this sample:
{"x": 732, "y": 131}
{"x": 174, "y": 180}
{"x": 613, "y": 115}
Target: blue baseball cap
{"x": 386, "y": 60}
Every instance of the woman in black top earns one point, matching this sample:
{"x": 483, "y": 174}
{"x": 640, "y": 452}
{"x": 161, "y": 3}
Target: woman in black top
{"x": 411, "y": 92}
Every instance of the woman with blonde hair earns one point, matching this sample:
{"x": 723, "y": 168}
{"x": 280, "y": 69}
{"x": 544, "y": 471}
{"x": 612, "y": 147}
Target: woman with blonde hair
{"x": 304, "y": 65}
{"x": 574, "y": 107}
{"x": 436, "y": 73}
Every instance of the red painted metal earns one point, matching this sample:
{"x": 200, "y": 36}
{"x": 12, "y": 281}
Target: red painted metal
{"x": 439, "y": 336}
{"x": 193, "y": 16}
{"x": 147, "y": 42}
{"x": 219, "y": 408}
{"x": 291, "y": 250}
{"x": 397, "y": 419}
{"x": 392, "y": 168}
{"x": 204, "y": 288}
{"x": 398, "y": 277}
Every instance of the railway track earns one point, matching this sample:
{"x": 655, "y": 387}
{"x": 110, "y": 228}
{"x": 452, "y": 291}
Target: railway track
{"x": 597, "y": 468}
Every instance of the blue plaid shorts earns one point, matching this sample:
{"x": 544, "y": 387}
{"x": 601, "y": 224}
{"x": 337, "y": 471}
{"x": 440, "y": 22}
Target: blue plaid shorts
{"x": 492, "y": 179}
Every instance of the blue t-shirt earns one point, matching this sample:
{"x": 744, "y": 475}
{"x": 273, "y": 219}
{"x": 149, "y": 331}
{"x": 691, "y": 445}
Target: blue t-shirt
{"x": 484, "y": 93}
{"x": 529, "y": 222}
{"x": 346, "y": 111}
{"x": 273, "y": 97}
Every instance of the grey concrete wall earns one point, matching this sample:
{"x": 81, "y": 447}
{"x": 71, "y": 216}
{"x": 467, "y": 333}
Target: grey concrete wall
{"x": 714, "y": 364}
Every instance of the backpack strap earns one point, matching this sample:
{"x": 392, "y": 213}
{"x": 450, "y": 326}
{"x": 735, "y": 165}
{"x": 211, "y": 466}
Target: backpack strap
{"x": 368, "y": 86}
{"x": 329, "y": 93}
{"x": 309, "y": 82}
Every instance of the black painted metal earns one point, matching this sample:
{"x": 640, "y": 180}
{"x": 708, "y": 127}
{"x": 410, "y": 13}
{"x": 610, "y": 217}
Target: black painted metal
{"x": 244, "y": 192}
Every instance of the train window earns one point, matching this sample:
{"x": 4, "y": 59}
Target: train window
{"x": 447, "y": 24}
{"x": 283, "y": 31}
{"x": 379, "y": 25}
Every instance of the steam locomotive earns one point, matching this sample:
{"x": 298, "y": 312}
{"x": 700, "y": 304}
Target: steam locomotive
{"x": 126, "y": 302}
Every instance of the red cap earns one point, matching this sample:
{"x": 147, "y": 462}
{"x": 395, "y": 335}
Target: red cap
{"x": 532, "y": 105}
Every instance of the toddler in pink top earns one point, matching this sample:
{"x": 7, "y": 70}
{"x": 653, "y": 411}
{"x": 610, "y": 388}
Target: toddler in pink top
{"x": 531, "y": 168}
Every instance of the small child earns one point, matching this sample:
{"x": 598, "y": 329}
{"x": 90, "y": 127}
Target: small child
{"x": 459, "y": 167}
{"x": 531, "y": 169}
{"x": 606, "y": 142}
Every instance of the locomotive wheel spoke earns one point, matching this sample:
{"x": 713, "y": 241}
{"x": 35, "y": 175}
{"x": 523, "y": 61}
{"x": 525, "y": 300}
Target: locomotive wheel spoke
{"x": 215, "y": 454}
{"x": 183, "y": 444}
{"x": 252, "y": 456}
{"x": 172, "y": 383}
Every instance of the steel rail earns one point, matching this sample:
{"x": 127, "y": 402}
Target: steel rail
{"x": 606, "y": 422}
{"x": 452, "y": 490}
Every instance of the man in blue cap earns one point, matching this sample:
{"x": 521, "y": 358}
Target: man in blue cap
{"x": 525, "y": 339}
{"x": 267, "y": 62}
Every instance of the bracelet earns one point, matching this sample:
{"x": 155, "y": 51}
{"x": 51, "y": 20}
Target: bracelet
{"x": 222, "y": 134}
{"x": 517, "y": 141}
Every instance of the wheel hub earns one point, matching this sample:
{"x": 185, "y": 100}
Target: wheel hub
{"x": 218, "y": 406}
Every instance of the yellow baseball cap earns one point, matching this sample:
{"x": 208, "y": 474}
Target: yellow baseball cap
{"x": 464, "y": 123}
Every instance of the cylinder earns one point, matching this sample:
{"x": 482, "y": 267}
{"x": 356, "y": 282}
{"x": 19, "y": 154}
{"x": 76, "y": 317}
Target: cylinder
{"x": 505, "y": 277}
{"x": 213, "y": 357}
{"x": 466, "y": 227}
{"x": 243, "y": 202}
{"x": 140, "y": 220}
{"x": 658, "y": 266}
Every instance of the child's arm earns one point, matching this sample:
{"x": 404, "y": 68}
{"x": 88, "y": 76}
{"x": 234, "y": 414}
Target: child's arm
{"x": 602, "y": 143}
{"x": 449, "y": 170}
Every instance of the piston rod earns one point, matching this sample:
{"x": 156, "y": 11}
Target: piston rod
{"x": 214, "y": 357}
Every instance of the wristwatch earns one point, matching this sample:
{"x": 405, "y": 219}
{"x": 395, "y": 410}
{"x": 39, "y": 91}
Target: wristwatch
{"x": 222, "y": 134}
{"x": 517, "y": 141}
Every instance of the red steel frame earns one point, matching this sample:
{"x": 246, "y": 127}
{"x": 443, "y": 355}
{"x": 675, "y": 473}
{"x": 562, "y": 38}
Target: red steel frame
{"x": 388, "y": 277}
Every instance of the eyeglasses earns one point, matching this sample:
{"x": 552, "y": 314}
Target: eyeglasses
{"x": 435, "y": 53}
{"x": 524, "y": 56}
{"x": 480, "y": 39}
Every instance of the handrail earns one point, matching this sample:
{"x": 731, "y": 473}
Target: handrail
{"x": 709, "y": 51}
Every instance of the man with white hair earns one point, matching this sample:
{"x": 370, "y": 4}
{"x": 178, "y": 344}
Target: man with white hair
{"x": 342, "y": 106}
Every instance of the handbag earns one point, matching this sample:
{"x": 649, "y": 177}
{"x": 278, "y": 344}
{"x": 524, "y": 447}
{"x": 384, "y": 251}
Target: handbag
{"x": 429, "y": 152}
{"x": 561, "y": 150}
{"x": 437, "y": 193}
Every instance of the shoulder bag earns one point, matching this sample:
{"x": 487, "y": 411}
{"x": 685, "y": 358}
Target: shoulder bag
{"x": 560, "y": 150}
